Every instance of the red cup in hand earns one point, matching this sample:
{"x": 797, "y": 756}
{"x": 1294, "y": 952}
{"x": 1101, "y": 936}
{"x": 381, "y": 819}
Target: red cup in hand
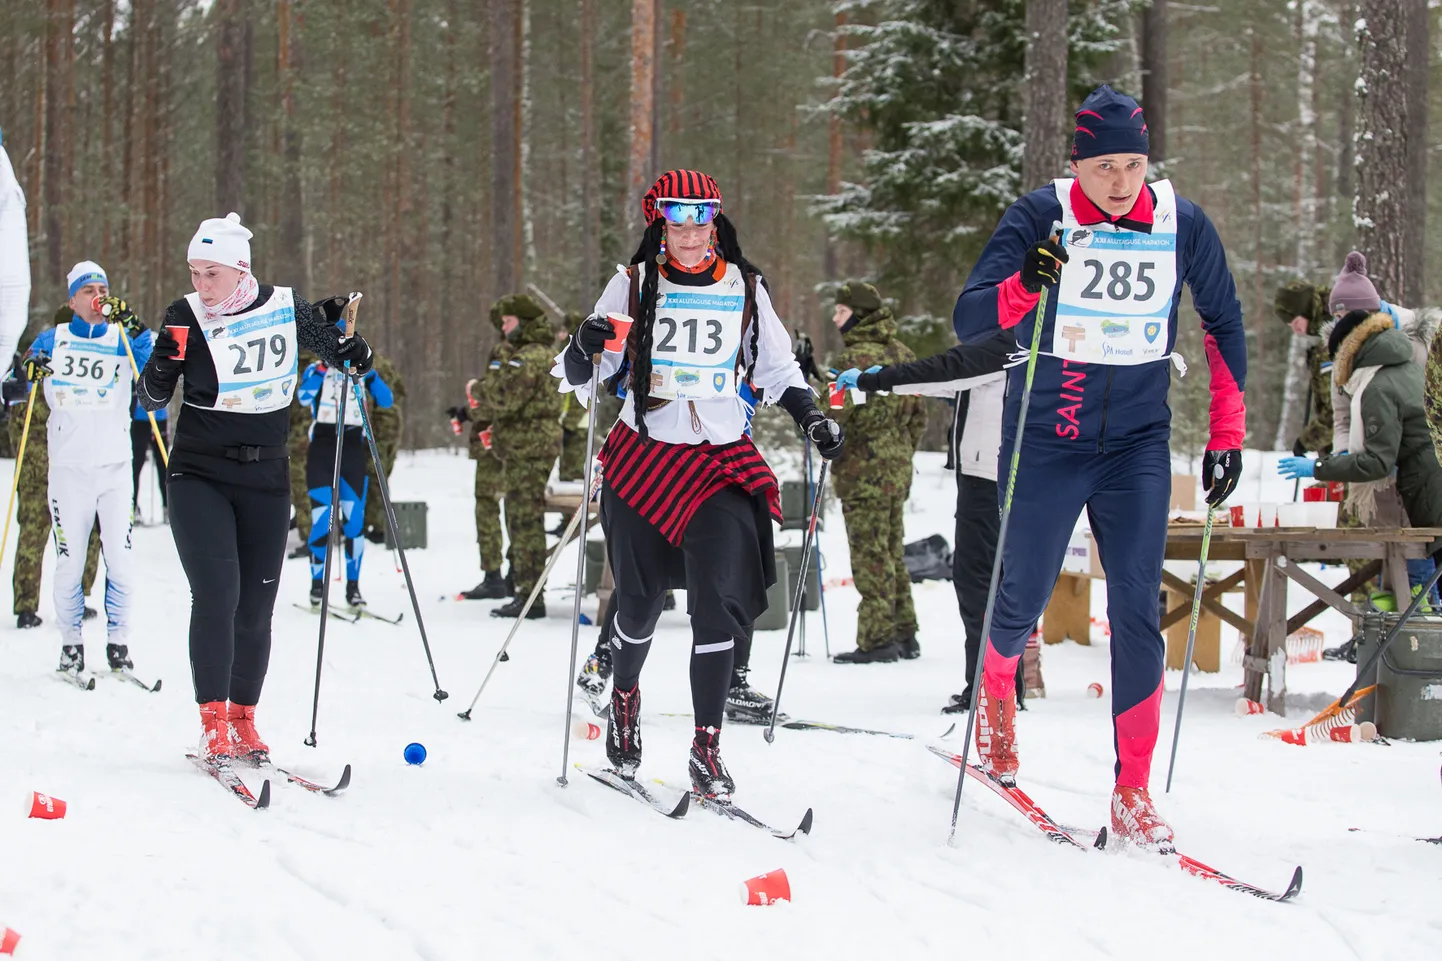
{"x": 622, "y": 323}
{"x": 836, "y": 396}
{"x": 181, "y": 333}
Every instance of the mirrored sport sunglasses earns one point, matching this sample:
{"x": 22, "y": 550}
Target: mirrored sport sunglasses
{"x": 677, "y": 212}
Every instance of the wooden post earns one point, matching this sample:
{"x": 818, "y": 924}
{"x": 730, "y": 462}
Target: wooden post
{"x": 1068, "y": 613}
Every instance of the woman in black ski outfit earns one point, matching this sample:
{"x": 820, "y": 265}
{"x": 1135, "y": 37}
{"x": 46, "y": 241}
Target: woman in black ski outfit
{"x": 229, "y": 472}
{"x": 687, "y": 500}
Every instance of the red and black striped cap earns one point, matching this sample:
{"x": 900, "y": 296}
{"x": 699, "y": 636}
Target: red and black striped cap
{"x": 680, "y": 185}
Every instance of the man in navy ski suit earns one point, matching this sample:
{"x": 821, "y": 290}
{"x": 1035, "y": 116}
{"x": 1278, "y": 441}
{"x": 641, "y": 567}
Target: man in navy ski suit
{"x": 1098, "y": 425}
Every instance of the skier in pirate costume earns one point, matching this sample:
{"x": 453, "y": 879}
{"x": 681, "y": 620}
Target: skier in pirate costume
{"x": 687, "y": 500}
{"x": 229, "y": 476}
{"x": 1098, "y": 428}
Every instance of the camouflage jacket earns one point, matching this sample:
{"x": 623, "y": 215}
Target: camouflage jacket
{"x": 1301, "y": 299}
{"x": 882, "y": 434}
{"x": 388, "y": 421}
{"x": 519, "y": 398}
{"x": 481, "y": 419}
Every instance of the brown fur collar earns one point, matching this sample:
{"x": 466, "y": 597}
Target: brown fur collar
{"x": 1347, "y": 353}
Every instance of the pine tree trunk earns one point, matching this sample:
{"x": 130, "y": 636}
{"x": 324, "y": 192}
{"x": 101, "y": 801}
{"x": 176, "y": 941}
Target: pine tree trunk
{"x": 289, "y": 265}
{"x": 1255, "y": 85}
{"x": 1382, "y": 205}
{"x": 1154, "y": 76}
{"x": 1346, "y": 140}
{"x": 107, "y": 125}
{"x": 643, "y": 95}
{"x": 59, "y": 23}
{"x": 1419, "y": 62}
{"x": 234, "y": 50}
{"x": 1309, "y": 15}
{"x": 1045, "y": 129}
{"x": 590, "y": 168}
{"x": 834, "y": 142}
{"x": 676, "y": 81}
{"x": 505, "y": 148}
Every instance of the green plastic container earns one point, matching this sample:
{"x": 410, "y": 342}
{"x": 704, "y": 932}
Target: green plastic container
{"x": 812, "y": 600}
{"x": 411, "y": 522}
{"x": 1408, "y": 702}
{"x": 796, "y": 506}
{"x": 778, "y": 599}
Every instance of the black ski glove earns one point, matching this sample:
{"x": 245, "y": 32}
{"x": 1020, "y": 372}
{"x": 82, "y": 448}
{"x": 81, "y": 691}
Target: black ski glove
{"x": 1041, "y": 266}
{"x": 825, "y": 433}
{"x": 591, "y": 336}
{"x": 355, "y": 350}
{"x": 1221, "y": 469}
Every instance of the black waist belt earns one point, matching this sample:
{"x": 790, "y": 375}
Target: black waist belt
{"x": 246, "y": 455}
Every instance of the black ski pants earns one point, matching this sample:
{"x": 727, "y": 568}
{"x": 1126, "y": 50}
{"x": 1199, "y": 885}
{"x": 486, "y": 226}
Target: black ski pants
{"x": 231, "y": 542}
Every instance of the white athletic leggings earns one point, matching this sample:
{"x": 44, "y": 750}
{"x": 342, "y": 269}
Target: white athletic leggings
{"x": 78, "y": 496}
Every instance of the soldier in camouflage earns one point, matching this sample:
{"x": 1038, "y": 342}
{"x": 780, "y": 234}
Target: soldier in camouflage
{"x": 490, "y": 477}
{"x": 32, "y": 509}
{"x": 573, "y": 424}
{"x": 524, "y": 409}
{"x": 386, "y": 423}
{"x": 1303, "y": 307}
{"x": 873, "y": 479}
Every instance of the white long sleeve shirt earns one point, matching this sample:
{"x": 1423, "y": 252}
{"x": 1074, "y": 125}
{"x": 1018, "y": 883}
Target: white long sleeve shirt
{"x": 724, "y": 419}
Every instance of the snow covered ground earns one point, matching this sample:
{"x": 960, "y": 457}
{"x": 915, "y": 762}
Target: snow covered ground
{"x": 479, "y": 853}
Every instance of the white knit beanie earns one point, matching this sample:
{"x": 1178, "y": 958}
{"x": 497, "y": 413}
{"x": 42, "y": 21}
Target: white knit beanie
{"x": 222, "y": 240}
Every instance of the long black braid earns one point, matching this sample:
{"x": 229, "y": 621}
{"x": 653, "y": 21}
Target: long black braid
{"x": 644, "y": 331}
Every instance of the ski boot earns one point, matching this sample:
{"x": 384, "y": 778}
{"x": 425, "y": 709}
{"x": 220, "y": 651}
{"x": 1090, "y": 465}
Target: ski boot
{"x": 247, "y": 743}
{"x": 72, "y": 659}
{"x": 27, "y": 619}
{"x": 513, "y": 609}
{"x": 317, "y": 593}
{"x": 1135, "y": 819}
{"x": 745, "y": 704}
{"x": 119, "y": 657}
{"x": 593, "y": 678}
{"x": 959, "y": 703}
{"x": 215, "y": 746}
{"x": 493, "y": 587}
{"x": 623, "y": 732}
{"x": 996, "y": 736}
{"x": 709, "y": 777}
{"x": 353, "y": 597}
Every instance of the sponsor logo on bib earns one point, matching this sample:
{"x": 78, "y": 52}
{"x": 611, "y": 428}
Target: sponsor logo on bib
{"x": 719, "y": 382}
{"x": 1116, "y": 328}
{"x": 1151, "y": 331}
{"x": 1073, "y": 336}
{"x": 1081, "y": 237}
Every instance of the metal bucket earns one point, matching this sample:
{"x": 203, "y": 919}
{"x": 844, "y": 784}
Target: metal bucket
{"x": 1408, "y": 702}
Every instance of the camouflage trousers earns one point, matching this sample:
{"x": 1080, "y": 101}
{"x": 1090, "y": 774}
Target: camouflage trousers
{"x": 375, "y": 510}
{"x": 299, "y": 492}
{"x": 526, "y": 519}
{"x": 32, "y": 517}
{"x": 874, "y": 533}
{"x": 573, "y": 454}
{"x": 490, "y": 488}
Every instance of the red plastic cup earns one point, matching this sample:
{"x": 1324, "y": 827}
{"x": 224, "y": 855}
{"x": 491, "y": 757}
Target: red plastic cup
{"x": 1314, "y": 493}
{"x": 45, "y": 807}
{"x": 836, "y": 396}
{"x": 455, "y": 427}
{"x": 622, "y": 323}
{"x": 585, "y": 731}
{"x": 1094, "y": 689}
{"x": 181, "y": 333}
{"x": 8, "y": 940}
{"x": 485, "y": 437}
{"x": 1247, "y": 706}
{"x": 1239, "y": 516}
{"x": 766, "y": 888}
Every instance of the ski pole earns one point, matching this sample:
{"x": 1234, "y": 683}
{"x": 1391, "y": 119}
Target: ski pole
{"x": 383, "y": 486}
{"x": 1192, "y": 633}
{"x": 798, "y": 596}
{"x": 820, "y": 582}
{"x": 1038, "y": 323}
{"x": 154, "y": 425}
{"x": 349, "y": 313}
{"x": 19, "y": 460}
{"x": 584, "y": 515}
{"x": 531, "y": 599}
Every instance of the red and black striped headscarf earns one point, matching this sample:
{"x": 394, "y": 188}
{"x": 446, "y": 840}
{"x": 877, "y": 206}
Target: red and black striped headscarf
{"x": 680, "y": 185}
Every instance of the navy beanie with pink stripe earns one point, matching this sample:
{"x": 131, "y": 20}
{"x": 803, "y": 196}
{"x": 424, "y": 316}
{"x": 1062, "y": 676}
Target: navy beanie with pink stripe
{"x": 1108, "y": 123}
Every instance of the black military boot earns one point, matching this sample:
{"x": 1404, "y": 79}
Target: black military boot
{"x": 27, "y": 619}
{"x": 513, "y": 609}
{"x": 883, "y": 654}
{"x": 493, "y": 587}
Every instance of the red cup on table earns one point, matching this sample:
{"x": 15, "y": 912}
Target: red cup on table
{"x": 1239, "y": 515}
{"x": 181, "y": 333}
{"x": 622, "y": 323}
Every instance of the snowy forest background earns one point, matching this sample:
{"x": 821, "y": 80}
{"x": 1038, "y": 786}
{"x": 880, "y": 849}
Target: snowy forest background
{"x": 441, "y": 153}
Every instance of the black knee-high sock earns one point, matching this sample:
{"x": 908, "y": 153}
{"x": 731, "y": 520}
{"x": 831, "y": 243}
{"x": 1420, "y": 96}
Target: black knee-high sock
{"x": 741, "y": 662}
{"x": 629, "y": 652}
{"x": 712, "y": 652}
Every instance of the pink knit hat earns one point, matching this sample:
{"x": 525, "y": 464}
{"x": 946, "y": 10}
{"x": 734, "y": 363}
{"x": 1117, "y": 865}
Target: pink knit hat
{"x": 1352, "y": 290}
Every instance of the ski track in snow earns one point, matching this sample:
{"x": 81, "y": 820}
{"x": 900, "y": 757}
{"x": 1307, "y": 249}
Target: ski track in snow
{"x": 479, "y": 853}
